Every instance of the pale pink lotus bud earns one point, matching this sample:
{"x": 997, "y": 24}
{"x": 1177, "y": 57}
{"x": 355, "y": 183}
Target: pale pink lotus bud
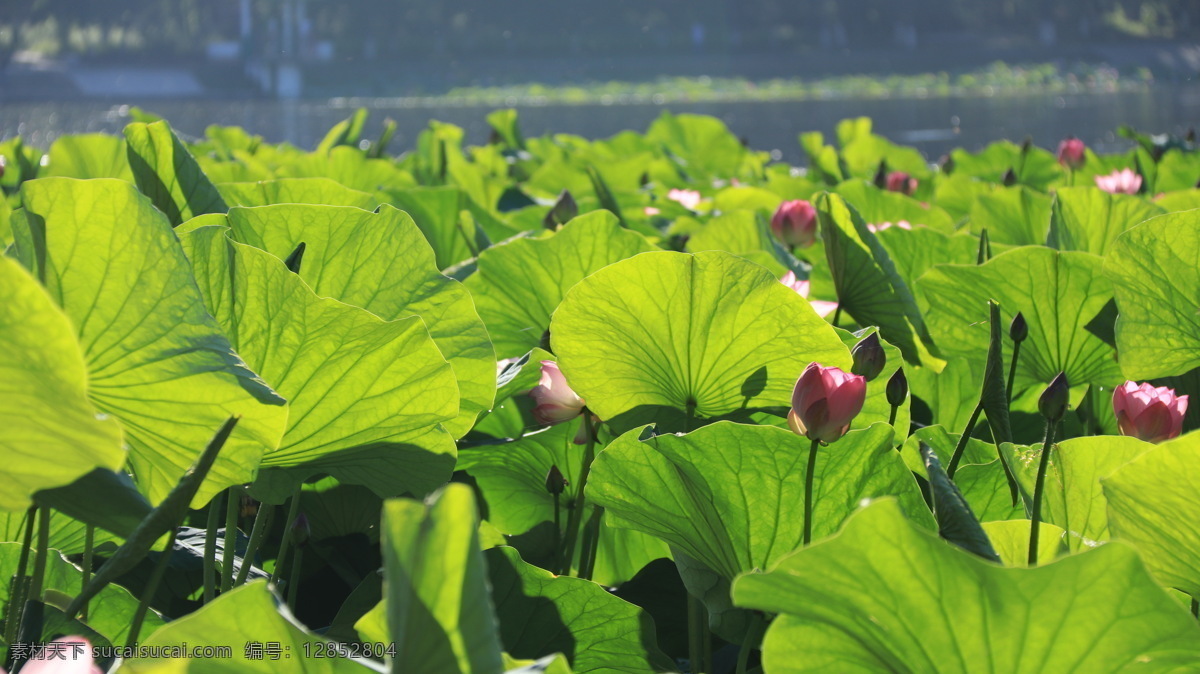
{"x": 822, "y": 307}
{"x": 1124, "y": 181}
{"x": 825, "y": 401}
{"x": 652, "y": 211}
{"x": 899, "y": 181}
{"x": 1149, "y": 413}
{"x": 795, "y": 223}
{"x": 689, "y": 199}
{"x": 64, "y": 655}
{"x": 1072, "y": 153}
{"x": 902, "y": 224}
{"x": 556, "y": 402}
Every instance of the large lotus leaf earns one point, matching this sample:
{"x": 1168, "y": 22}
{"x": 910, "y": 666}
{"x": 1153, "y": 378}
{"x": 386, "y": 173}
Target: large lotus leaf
{"x": 950, "y": 395}
{"x": 110, "y": 612}
{"x": 706, "y": 146}
{"x": 1017, "y": 215}
{"x": 247, "y": 615}
{"x": 878, "y": 206}
{"x": 436, "y": 210}
{"x": 350, "y": 167}
{"x": 382, "y": 263}
{"x": 886, "y": 596}
{"x": 1072, "y": 496}
{"x": 512, "y": 479}
{"x": 1059, "y": 293}
{"x": 957, "y": 193}
{"x": 436, "y": 608}
{"x": 157, "y": 361}
{"x": 672, "y": 338}
{"x": 744, "y": 234}
{"x": 88, "y": 155}
{"x": 1011, "y": 540}
{"x": 1038, "y": 168}
{"x": 1090, "y": 219}
{"x": 1155, "y": 276}
{"x": 520, "y": 283}
{"x": 1152, "y": 503}
{"x": 295, "y": 191}
{"x": 354, "y": 381}
{"x": 743, "y": 198}
{"x": 863, "y": 152}
{"x": 542, "y": 613}
{"x": 731, "y": 496}
{"x": 914, "y": 251}
{"x": 167, "y": 173}
{"x": 52, "y": 433}
{"x": 980, "y": 476}
{"x": 868, "y": 286}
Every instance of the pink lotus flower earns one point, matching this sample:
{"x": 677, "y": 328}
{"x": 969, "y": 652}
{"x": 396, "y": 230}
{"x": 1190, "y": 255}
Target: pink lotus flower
{"x": 1124, "y": 181}
{"x": 795, "y": 223}
{"x": 822, "y": 307}
{"x": 1072, "y": 153}
{"x": 556, "y": 402}
{"x": 652, "y": 211}
{"x": 825, "y": 401}
{"x": 902, "y": 224}
{"x": 64, "y": 655}
{"x": 899, "y": 181}
{"x": 1149, "y": 413}
{"x": 689, "y": 199}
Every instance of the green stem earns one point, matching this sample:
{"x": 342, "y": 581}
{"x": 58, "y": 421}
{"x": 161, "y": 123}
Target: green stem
{"x": 892, "y": 415}
{"x": 31, "y": 619}
{"x": 233, "y": 504}
{"x": 587, "y": 562}
{"x": 262, "y": 522}
{"x": 1035, "y": 514}
{"x": 1012, "y": 371}
{"x": 558, "y": 542}
{"x": 961, "y": 447}
{"x": 753, "y": 640}
{"x": 210, "y": 551}
{"x": 1195, "y": 607}
{"x": 89, "y": 544}
{"x": 293, "y": 580}
{"x": 160, "y": 568}
{"x": 21, "y": 586}
{"x": 697, "y": 635}
{"x": 576, "y": 514}
{"x": 808, "y": 491}
{"x": 837, "y": 313}
{"x": 281, "y": 556}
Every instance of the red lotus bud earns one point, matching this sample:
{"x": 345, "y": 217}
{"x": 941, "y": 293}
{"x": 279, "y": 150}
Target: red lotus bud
{"x": 795, "y": 223}
{"x": 899, "y": 181}
{"x": 1072, "y": 153}
{"x": 825, "y": 401}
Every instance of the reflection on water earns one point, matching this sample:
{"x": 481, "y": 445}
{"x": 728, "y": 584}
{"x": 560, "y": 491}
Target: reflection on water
{"x": 934, "y": 125}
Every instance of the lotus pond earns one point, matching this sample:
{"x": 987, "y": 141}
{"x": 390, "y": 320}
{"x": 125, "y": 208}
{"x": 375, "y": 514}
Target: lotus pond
{"x": 652, "y": 403}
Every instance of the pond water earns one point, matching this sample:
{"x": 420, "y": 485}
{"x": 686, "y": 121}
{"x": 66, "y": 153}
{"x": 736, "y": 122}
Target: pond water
{"x": 934, "y": 125}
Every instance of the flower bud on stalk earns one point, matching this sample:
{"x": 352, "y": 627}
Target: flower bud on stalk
{"x": 795, "y": 223}
{"x": 1018, "y": 330}
{"x": 1149, "y": 413}
{"x": 556, "y": 402}
{"x": 897, "y": 388}
{"x": 1072, "y": 153}
{"x": 899, "y": 181}
{"x": 869, "y": 358}
{"x": 825, "y": 401}
{"x": 555, "y": 482}
{"x": 1054, "y": 400}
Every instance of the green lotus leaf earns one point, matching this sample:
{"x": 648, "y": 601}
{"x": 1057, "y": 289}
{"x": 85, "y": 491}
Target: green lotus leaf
{"x": 357, "y": 385}
{"x": 110, "y": 612}
{"x": 436, "y": 608}
{"x": 1090, "y": 219}
{"x": 239, "y": 620}
{"x": 156, "y": 360}
{"x": 731, "y": 496}
{"x": 88, "y": 155}
{"x": 167, "y": 173}
{"x": 1011, "y": 538}
{"x": 520, "y": 283}
{"x": 878, "y": 206}
{"x": 1036, "y": 168}
{"x": 1151, "y": 500}
{"x": 53, "y": 434}
{"x": 884, "y": 595}
{"x": 381, "y": 262}
{"x": 1059, "y": 293}
{"x": 542, "y": 613}
{"x": 915, "y": 250}
{"x": 868, "y": 286}
{"x": 1154, "y": 275}
{"x": 744, "y": 234}
{"x": 512, "y": 479}
{"x": 295, "y": 191}
{"x": 350, "y": 167}
{"x": 437, "y": 211}
{"x": 675, "y": 338}
{"x": 1017, "y": 215}
{"x": 979, "y": 477}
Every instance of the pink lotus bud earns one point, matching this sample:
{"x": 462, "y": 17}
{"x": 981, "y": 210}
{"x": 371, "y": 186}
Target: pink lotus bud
{"x": 899, "y": 181}
{"x": 1124, "y": 181}
{"x": 556, "y": 402}
{"x": 1149, "y": 413}
{"x": 822, "y": 307}
{"x": 1072, "y": 153}
{"x": 689, "y": 199}
{"x": 652, "y": 211}
{"x": 825, "y": 401}
{"x": 64, "y": 655}
{"x": 795, "y": 223}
